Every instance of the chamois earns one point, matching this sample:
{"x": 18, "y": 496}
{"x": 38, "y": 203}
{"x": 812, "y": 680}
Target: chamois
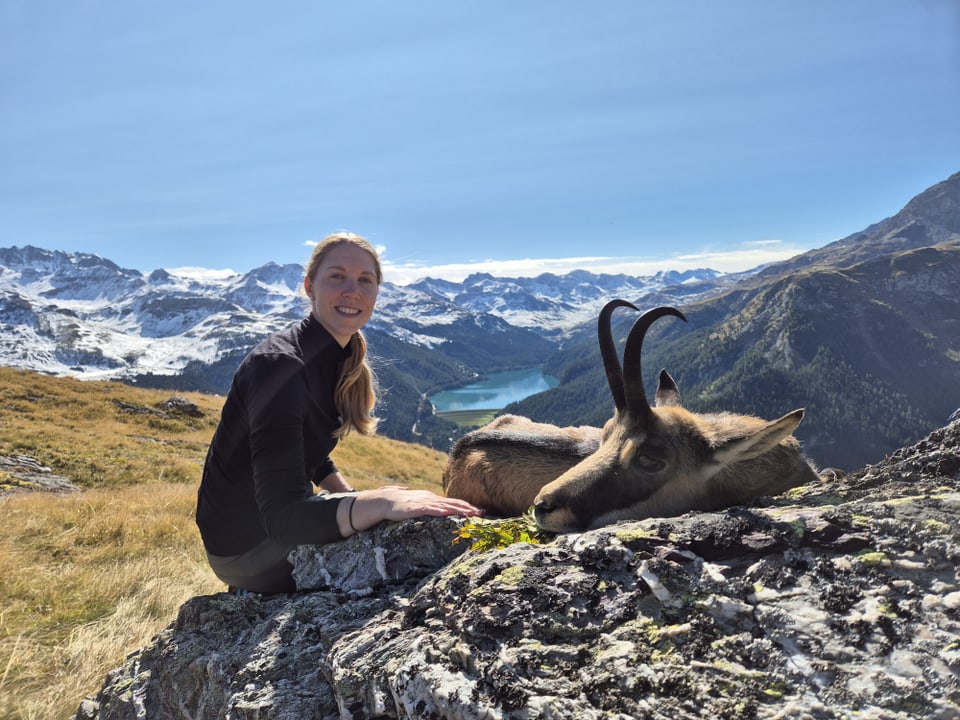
{"x": 502, "y": 466}
{"x": 650, "y": 461}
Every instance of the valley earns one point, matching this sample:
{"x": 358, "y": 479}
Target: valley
{"x": 863, "y": 332}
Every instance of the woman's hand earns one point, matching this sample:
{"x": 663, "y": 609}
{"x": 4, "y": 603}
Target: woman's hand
{"x": 394, "y": 502}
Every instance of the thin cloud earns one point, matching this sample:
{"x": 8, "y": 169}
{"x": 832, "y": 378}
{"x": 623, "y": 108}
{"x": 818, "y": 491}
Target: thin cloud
{"x": 203, "y": 274}
{"x": 749, "y": 256}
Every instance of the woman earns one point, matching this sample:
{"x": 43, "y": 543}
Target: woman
{"x": 291, "y": 399}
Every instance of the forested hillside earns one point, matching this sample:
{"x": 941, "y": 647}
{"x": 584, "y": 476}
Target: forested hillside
{"x": 866, "y": 337}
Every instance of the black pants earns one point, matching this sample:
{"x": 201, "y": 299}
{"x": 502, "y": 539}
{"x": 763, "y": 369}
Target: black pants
{"x": 262, "y": 569}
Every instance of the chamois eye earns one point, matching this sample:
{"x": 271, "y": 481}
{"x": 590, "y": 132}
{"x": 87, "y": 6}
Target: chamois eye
{"x": 649, "y": 463}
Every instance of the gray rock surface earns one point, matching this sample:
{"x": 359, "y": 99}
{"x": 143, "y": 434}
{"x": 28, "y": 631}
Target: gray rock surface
{"x": 839, "y": 600}
{"x": 392, "y": 553}
{"x": 21, "y": 472}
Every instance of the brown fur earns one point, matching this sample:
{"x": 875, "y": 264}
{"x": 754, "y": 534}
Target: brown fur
{"x": 647, "y": 461}
{"x": 502, "y": 466}
{"x": 709, "y": 462}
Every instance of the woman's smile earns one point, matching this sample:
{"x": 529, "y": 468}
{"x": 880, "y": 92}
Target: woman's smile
{"x": 343, "y": 291}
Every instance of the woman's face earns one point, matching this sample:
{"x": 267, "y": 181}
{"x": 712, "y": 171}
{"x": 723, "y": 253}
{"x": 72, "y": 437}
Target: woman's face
{"x": 343, "y": 291}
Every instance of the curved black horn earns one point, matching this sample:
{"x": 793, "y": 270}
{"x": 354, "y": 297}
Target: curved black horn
{"x": 636, "y": 398}
{"x": 608, "y": 351}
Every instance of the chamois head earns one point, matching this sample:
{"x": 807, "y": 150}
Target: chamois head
{"x": 665, "y": 460}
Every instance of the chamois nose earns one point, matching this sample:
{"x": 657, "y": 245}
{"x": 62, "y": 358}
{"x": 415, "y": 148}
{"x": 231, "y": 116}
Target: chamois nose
{"x": 543, "y": 506}
{"x": 555, "y": 513}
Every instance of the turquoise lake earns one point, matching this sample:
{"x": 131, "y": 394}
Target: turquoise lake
{"x": 496, "y": 392}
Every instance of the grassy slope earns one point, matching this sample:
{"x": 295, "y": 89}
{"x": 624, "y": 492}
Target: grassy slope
{"x": 87, "y": 577}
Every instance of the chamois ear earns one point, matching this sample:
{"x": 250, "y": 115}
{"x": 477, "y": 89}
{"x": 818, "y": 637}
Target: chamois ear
{"x": 667, "y": 391}
{"x": 763, "y": 440}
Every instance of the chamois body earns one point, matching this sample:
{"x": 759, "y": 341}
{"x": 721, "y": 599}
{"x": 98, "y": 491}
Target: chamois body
{"x": 502, "y": 466}
{"x": 646, "y": 462}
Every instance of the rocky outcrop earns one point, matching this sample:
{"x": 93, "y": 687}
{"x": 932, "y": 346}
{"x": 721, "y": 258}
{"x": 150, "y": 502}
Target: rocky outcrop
{"x": 838, "y": 600}
{"x": 173, "y": 406}
{"x": 21, "y": 472}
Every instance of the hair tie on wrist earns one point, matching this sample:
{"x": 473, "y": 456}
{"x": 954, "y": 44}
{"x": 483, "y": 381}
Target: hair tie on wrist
{"x": 353, "y": 502}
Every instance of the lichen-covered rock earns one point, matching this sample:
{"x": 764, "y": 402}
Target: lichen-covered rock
{"x": 839, "y": 600}
{"x": 21, "y": 472}
{"x": 393, "y": 553}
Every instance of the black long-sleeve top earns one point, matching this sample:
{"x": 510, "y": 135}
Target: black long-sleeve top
{"x": 272, "y": 444}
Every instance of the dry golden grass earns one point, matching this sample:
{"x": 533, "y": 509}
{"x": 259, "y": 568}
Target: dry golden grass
{"x": 87, "y": 577}
{"x": 79, "y": 430}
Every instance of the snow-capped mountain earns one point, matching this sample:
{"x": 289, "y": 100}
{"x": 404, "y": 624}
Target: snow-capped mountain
{"x": 552, "y": 304}
{"x": 840, "y": 330}
{"x": 82, "y": 315}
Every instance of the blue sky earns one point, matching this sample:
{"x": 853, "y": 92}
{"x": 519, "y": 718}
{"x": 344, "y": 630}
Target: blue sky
{"x": 505, "y": 136}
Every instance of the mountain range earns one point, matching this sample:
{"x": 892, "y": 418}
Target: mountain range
{"x": 864, "y": 332}
{"x": 81, "y": 315}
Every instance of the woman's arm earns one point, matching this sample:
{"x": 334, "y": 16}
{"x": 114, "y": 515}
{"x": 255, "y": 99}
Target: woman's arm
{"x": 335, "y": 483}
{"x": 369, "y": 507}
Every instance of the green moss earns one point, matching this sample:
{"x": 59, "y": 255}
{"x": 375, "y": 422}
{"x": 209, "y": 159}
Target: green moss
{"x": 511, "y": 575}
{"x": 776, "y": 690}
{"x": 12, "y": 482}
{"x": 633, "y": 533}
{"x": 464, "y": 565}
{"x": 936, "y": 527}
{"x": 497, "y": 534}
{"x": 802, "y": 493}
{"x": 940, "y": 493}
{"x": 663, "y": 651}
{"x": 886, "y": 610}
{"x": 727, "y": 688}
{"x": 874, "y": 558}
{"x": 893, "y": 502}
{"x": 659, "y": 639}
{"x": 739, "y": 671}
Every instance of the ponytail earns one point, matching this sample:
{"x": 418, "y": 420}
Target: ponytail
{"x": 356, "y": 395}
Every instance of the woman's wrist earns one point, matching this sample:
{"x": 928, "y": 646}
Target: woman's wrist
{"x": 357, "y": 512}
{"x": 353, "y": 501}
{"x": 346, "y": 522}
{"x": 363, "y": 510}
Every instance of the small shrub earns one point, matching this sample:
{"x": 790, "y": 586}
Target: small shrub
{"x": 498, "y": 534}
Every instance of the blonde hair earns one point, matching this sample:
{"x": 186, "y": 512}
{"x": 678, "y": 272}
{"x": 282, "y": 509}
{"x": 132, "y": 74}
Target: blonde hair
{"x": 356, "y": 393}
